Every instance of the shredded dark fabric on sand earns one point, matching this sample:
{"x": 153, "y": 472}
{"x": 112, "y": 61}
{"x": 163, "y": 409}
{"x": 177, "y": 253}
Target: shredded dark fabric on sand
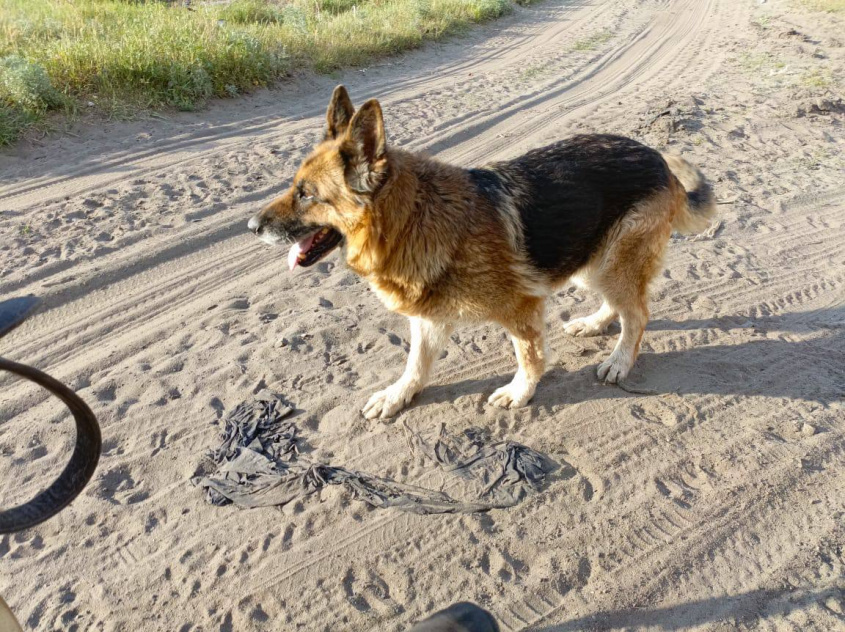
{"x": 259, "y": 464}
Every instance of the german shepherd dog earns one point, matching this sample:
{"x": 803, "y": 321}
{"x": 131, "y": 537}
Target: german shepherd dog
{"x": 445, "y": 245}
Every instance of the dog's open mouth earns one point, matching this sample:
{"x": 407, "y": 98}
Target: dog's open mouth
{"x": 309, "y": 250}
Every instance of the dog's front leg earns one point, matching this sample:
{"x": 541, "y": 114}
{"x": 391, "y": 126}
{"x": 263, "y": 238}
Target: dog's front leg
{"x": 427, "y": 340}
{"x": 527, "y": 332}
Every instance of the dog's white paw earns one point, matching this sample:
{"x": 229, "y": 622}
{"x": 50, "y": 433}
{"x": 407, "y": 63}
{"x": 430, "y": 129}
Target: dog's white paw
{"x": 586, "y": 326}
{"x": 388, "y": 402}
{"x": 514, "y": 395}
{"x": 615, "y": 368}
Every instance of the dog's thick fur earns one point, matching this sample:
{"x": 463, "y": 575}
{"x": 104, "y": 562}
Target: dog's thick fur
{"x": 444, "y": 245}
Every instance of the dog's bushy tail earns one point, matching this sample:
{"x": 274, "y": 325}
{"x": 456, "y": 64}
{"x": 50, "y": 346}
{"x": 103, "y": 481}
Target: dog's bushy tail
{"x": 700, "y": 208}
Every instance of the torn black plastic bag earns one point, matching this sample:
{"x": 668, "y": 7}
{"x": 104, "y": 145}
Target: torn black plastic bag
{"x": 259, "y": 465}
{"x": 507, "y": 471}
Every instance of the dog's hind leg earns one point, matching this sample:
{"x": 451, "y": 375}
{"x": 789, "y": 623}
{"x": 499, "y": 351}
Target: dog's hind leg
{"x": 527, "y": 328}
{"x": 592, "y": 325}
{"x": 633, "y": 315}
{"x": 427, "y": 341}
{"x": 631, "y": 261}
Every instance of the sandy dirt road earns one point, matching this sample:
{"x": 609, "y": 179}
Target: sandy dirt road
{"x": 713, "y": 500}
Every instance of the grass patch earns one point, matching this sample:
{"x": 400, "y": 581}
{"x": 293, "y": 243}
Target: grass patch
{"x": 130, "y": 55}
{"x": 594, "y": 41}
{"x": 764, "y": 23}
{"x": 831, "y": 6}
{"x": 535, "y": 71}
{"x": 252, "y": 12}
{"x": 820, "y": 79}
{"x": 761, "y": 62}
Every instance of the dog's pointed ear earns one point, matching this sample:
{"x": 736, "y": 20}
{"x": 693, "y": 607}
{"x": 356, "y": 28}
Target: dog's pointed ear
{"x": 339, "y": 113}
{"x": 364, "y": 149}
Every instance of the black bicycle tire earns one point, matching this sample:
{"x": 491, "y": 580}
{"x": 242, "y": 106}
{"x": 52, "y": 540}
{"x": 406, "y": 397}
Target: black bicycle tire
{"x": 77, "y": 472}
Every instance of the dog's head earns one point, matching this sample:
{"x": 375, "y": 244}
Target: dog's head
{"x": 331, "y": 195}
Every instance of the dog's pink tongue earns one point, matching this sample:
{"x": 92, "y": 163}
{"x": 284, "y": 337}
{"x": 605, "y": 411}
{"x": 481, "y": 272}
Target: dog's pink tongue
{"x": 298, "y": 248}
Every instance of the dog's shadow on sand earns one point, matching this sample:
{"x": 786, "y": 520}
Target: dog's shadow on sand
{"x": 771, "y": 364}
{"x": 727, "y": 609}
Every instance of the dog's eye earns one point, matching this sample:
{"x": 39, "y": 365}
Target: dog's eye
{"x": 304, "y": 197}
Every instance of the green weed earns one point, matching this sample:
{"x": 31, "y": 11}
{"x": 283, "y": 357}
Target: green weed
{"x": 594, "y": 41}
{"x": 831, "y": 6}
{"x": 136, "y": 55}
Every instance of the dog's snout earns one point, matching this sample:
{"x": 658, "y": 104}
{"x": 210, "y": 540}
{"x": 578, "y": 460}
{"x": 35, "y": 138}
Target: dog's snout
{"x": 254, "y": 224}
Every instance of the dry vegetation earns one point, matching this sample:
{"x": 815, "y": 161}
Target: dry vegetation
{"x": 120, "y": 56}
{"x": 825, "y": 5}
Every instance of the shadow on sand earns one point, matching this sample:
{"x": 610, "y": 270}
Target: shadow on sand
{"x": 728, "y": 608}
{"x": 811, "y": 370}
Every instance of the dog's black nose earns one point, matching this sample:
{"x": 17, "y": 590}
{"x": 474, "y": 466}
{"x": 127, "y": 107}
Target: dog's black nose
{"x": 254, "y": 224}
